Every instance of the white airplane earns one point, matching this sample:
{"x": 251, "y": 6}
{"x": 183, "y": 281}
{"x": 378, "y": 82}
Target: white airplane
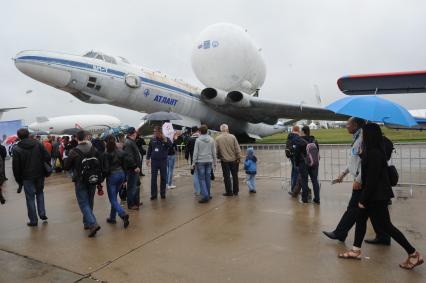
{"x": 224, "y": 59}
{"x": 94, "y": 124}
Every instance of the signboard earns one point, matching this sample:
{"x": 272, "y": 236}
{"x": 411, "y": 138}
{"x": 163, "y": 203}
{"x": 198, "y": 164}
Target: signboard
{"x": 8, "y": 128}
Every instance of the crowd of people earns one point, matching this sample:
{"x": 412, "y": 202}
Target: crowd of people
{"x": 118, "y": 160}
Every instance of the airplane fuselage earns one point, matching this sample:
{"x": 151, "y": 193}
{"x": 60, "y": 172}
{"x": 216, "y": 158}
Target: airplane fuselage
{"x": 125, "y": 85}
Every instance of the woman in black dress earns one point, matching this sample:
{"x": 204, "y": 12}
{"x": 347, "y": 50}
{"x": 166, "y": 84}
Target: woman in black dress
{"x": 376, "y": 193}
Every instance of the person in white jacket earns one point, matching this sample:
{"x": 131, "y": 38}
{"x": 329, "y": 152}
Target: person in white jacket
{"x": 204, "y": 160}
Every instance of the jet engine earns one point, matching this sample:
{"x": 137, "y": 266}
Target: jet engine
{"x": 213, "y": 96}
{"x": 238, "y": 99}
{"x": 225, "y": 57}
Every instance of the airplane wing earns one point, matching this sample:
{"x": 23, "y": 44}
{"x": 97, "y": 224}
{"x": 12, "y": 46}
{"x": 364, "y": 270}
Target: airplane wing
{"x": 2, "y": 110}
{"x": 385, "y": 83}
{"x": 259, "y": 110}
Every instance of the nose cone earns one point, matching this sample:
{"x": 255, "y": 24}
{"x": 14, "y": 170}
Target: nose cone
{"x": 44, "y": 67}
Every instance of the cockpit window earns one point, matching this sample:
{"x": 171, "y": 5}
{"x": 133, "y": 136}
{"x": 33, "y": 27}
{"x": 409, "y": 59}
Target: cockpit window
{"x": 124, "y": 60}
{"x": 100, "y": 56}
{"x": 90, "y": 54}
{"x": 109, "y": 59}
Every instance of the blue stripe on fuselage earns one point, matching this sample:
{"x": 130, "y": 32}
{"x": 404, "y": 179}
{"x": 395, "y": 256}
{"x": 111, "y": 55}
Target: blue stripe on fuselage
{"x": 90, "y": 67}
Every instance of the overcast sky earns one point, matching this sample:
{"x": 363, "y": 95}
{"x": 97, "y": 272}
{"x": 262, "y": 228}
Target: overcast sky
{"x": 304, "y": 43}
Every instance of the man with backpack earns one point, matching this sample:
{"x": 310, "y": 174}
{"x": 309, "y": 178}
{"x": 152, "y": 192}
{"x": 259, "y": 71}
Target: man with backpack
{"x": 86, "y": 163}
{"x": 296, "y": 145}
{"x": 29, "y": 158}
{"x": 311, "y": 162}
{"x": 291, "y": 154}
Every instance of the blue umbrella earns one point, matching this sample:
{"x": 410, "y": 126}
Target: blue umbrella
{"x": 374, "y": 109}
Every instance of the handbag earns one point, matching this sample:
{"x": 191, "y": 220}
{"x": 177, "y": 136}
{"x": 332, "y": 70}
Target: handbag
{"x": 393, "y": 175}
{"x": 122, "y": 192}
{"x": 47, "y": 169}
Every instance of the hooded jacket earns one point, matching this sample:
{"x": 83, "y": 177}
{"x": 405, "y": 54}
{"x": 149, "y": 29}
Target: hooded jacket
{"x": 28, "y": 160}
{"x": 250, "y": 163}
{"x": 204, "y": 150}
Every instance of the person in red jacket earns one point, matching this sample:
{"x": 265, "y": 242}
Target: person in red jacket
{"x": 48, "y": 146}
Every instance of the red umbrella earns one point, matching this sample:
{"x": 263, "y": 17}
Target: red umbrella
{"x": 10, "y": 139}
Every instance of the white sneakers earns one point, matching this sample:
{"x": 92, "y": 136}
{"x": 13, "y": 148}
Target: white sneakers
{"x": 171, "y": 187}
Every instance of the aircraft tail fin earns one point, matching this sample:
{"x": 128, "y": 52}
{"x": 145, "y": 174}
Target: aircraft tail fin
{"x": 42, "y": 119}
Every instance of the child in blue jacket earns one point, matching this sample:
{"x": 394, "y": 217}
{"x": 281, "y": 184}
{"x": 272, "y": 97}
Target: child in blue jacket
{"x": 250, "y": 167}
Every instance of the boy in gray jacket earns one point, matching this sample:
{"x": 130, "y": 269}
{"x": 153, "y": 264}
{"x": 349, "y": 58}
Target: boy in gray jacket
{"x": 203, "y": 160}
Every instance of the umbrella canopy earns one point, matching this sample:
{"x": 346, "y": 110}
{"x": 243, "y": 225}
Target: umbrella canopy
{"x": 162, "y": 116}
{"x": 374, "y": 109}
{"x": 10, "y": 139}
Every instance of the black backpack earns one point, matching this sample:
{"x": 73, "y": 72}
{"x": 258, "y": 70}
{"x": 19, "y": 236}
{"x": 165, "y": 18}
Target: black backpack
{"x": 91, "y": 171}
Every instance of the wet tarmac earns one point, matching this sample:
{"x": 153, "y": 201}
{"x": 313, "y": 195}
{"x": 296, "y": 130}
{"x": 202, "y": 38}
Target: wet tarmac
{"x": 266, "y": 237}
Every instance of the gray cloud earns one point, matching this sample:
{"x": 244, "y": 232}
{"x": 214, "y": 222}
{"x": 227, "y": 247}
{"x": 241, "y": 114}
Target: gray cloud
{"x": 304, "y": 43}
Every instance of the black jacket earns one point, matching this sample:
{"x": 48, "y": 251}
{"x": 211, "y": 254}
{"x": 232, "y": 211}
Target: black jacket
{"x": 375, "y": 178}
{"x": 132, "y": 150}
{"x": 73, "y": 162}
{"x": 116, "y": 161}
{"x": 28, "y": 160}
{"x": 189, "y": 148}
{"x": 3, "y": 152}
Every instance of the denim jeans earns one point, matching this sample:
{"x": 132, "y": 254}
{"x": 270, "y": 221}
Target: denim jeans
{"x": 313, "y": 174}
{"x": 251, "y": 182}
{"x": 132, "y": 189}
{"x": 171, "y": 159}
{"x": 114, "y": 182}
{"x": 204, "y": 173}
{"x": 155, "y": 166}
{"x": 197, "y": 185}
{"x": 34, "y": 192}
{"x": 303, "y": 171}
{"x": 294, "y": 174}
{"x": 85, "y": 197}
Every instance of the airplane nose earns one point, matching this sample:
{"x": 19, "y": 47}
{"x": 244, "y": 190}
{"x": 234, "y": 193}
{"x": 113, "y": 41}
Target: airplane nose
{"x": 41, "y": 67}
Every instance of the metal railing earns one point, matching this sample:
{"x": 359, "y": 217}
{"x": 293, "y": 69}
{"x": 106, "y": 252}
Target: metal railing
{"x": 408, "y": 158}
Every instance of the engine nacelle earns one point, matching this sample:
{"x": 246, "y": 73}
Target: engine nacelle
{"x": 225, "y": 57}
{"x": 212, "y": 96}
{"x": 238, "y": 99}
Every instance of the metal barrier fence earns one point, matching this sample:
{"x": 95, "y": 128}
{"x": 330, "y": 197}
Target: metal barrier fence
{"x": 408, "y": 158}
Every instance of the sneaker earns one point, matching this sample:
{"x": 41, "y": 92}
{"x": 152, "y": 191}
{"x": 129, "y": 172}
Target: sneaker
{"x": 29, "y": 224}
{"x": 153, "y": 198}
{"x": 2, "y": 200}
{"x": 227, "y": 195}
{"x": 203, "y": 201}
{"x": 44, "y": 218}
{"x": 111, "y": 221}
{"x": 171, "y": 186}
{"x": 163, "y": 196}
{"x": 252, "y": 192}
{"x": 94, "y": 230}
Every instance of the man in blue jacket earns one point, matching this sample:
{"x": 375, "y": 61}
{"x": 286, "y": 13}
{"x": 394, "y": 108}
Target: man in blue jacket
{"x": 157, "y": 153}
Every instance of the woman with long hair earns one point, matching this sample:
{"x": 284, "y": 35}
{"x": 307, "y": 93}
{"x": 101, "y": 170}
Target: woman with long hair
{"x": 114, "y": 169}
{"x": 375, "y": 196}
